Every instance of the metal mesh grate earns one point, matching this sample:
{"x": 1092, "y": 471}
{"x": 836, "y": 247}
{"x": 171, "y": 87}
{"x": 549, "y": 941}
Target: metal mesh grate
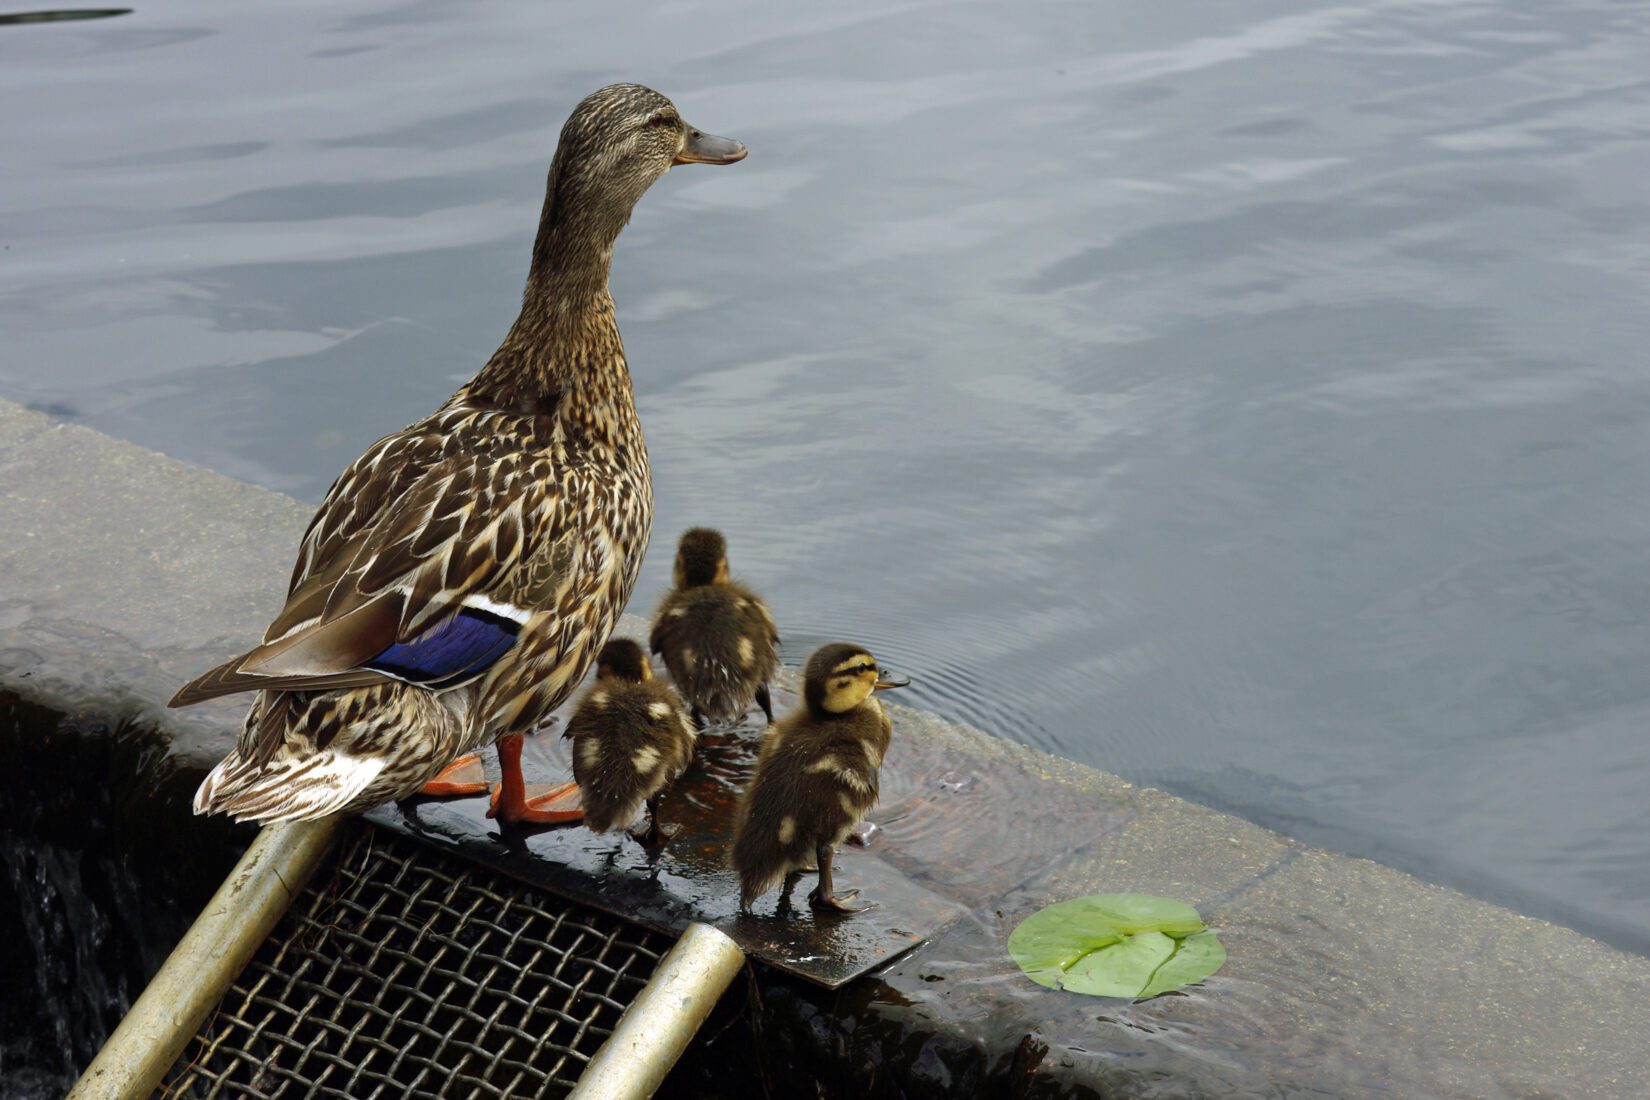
{"x": 403, "y": 972}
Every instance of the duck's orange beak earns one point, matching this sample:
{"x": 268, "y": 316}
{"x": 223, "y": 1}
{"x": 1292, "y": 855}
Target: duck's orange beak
{"x": 703, "y": 148}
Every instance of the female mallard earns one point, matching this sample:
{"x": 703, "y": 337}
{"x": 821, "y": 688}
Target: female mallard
{"x": 816, "y": 776}
{"x": 461, "y": 576}
{"x": 630, "y": 739}
{"x": 717, "y": 637}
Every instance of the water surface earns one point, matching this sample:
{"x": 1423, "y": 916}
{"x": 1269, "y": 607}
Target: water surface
{"x": 1246, "y": 399}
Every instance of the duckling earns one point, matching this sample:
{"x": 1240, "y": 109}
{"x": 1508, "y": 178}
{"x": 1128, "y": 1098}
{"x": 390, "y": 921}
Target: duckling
{"x": 630, "y": 739}
{"x": 816, "y": 776}
{"x": 717, "y": 637}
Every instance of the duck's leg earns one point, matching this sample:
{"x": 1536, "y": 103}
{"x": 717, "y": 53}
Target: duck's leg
{"x": 462, "y": 777}
{"x": 515, "y": 801}
{"x": 656, "y": 834}
{"x": 765, "y": 701}
{"x": 823, "y": 898}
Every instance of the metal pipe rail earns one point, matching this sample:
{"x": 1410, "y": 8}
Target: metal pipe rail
{"x": 194, "y": 977}
{"x": 645, "y": 1042}
{"x": 663, "y": 1019}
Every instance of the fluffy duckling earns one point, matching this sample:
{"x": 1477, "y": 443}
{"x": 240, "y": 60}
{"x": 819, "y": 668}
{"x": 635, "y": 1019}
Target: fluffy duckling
{"x": 816, "y": 776}
{"x": 717, "y": 637}
{"x": 630, "y": 739}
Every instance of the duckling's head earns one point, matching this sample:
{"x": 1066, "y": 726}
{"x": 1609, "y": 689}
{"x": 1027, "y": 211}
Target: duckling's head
{"x": 839, "y": 676}
{"x": 623, "y": 659}
{"x": 614, "y": 145}
{"x": 701, "y": 558}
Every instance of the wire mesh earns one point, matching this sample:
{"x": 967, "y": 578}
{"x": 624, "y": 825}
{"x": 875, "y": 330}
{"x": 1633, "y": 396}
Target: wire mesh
{"x": 404, "y": 972}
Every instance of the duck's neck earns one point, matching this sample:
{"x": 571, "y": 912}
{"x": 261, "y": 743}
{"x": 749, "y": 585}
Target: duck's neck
{"x": 563, "y": 356}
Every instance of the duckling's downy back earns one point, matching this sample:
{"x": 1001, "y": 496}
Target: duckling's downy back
{"x": 630, "y": 739}
{"x": 720, "y": 644}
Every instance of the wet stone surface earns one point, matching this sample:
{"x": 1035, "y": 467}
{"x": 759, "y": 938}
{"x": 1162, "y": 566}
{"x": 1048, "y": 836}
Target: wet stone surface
{"x": 938, "y": 846}
{"x": 123, "y": 573}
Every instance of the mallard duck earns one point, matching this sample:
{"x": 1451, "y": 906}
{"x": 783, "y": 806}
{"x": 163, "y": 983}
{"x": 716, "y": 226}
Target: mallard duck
{"x": 716, "y": 636}
{"x": 816, "y": 776}
{"x": 460, "y": 577}
{"x": 630, "y": 739}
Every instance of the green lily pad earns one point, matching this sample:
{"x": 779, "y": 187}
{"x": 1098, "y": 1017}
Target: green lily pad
{"x": 1116, "y": 945}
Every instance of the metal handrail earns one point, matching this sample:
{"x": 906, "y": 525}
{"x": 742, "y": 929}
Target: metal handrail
{"x": 193, "y": 979}
{"x": 663, "y": 1019}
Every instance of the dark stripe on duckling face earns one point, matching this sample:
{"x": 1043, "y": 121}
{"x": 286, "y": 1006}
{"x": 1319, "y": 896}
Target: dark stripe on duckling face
{"x": 838, "y": 677}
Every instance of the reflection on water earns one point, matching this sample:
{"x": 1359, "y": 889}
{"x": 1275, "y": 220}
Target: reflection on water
{"x": 1249, "y": 404}
{"x": 66, "y": 15}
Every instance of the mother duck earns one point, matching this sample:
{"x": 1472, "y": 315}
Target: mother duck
{"x": 461, "y": 576}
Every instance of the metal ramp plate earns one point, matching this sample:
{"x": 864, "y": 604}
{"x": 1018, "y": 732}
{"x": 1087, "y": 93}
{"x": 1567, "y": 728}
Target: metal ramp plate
{"x": 401, "y": 972}
{"x": 689, "y": 878}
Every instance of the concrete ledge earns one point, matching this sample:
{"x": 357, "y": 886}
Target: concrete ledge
{"x": 123, "y": 572}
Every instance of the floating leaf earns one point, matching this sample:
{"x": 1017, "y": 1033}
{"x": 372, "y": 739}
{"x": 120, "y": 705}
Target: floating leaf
{"x": 1116, "y": 945}
{"x": 1195, "y": 958}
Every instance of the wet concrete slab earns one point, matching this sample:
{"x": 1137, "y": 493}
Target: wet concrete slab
{"x": 122, "y": 573}
{"x": 926, "y": 865}
{"x": 689, "y": 879}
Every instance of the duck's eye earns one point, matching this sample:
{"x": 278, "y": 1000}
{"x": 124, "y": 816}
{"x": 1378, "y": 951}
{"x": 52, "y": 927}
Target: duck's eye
{"x": 659, "y": 120}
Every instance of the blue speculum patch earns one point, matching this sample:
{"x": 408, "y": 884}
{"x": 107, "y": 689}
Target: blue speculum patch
{"x": 460, "y": 649}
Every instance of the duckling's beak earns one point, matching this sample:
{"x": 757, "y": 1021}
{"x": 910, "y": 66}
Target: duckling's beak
{"x": 885, "y": 682}
{"x": 703, "y": 148}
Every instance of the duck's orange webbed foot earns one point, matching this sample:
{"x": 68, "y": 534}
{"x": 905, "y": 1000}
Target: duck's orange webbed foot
{"x": 516, "y": 802}
{"x": 539, "y": 804}
{"x": 462, "y": 777}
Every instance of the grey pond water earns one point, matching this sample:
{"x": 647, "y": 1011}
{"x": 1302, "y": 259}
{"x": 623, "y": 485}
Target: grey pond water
{"x": 1247, "y": 398}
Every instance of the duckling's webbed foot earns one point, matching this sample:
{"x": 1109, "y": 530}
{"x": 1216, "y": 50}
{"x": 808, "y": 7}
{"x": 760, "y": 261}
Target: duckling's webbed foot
{"x": 837, "y": 903}
{"x": 655, "y": 835}
{"x": 824, "y": 899}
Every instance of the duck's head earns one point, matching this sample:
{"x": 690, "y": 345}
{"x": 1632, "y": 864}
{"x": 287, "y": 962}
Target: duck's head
{"x": 701, "y": 558}
{"x": 839, "y": 676}
{"x": 615, "y": 144}
{"x": 623, "y": 659}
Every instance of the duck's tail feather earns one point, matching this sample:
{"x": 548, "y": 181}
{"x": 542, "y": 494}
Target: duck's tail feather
{"x": 288, "y": 788}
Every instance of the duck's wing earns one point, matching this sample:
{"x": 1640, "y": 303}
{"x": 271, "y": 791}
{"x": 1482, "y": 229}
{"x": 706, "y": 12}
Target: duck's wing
{"x": 395, "y": 575}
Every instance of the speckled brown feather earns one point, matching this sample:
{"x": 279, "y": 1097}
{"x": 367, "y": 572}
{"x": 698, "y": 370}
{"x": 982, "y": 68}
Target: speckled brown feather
{"x": 530, "y": 487}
